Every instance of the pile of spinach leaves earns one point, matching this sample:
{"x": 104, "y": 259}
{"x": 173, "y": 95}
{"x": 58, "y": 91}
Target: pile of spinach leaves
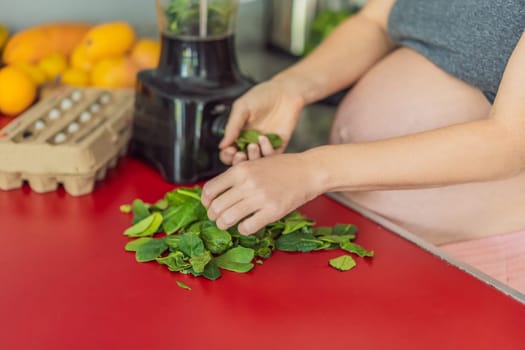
{"x": 176, "y": 232}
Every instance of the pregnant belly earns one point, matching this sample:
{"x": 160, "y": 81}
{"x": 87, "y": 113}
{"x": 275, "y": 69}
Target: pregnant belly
{"x": 404, "y": 94}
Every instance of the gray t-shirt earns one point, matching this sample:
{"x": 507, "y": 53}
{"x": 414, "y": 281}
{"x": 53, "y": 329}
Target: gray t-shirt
{"x": 470, "y": 39}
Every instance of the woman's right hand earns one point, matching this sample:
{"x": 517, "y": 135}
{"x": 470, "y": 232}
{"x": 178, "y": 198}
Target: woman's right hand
{"x": 273, "y": 106}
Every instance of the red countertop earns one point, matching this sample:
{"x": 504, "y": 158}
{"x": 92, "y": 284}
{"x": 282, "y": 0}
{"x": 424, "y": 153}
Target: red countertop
{"x": 67, "y": 283}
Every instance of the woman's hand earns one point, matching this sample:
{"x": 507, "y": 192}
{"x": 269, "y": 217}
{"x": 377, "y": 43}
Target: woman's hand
{"x": 270, "y": 107}
{"x": 262, "y": 191}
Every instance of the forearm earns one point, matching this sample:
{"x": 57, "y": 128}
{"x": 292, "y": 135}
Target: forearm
{"x": 340, "y": 60}
{"x": 471, "y": 152}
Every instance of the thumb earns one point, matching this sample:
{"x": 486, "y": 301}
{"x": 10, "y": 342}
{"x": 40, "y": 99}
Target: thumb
{"x": 235, "y": 123}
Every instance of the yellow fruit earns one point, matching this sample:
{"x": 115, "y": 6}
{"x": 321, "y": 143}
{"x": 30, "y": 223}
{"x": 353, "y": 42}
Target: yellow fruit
{"x": 108, "y": 40}
{"x": 17, "y": 91}
{"x": 35, "y": 43}
{"x": 146, "y": 53}
{"x": 75, "y": 77}
{"x": 53, "y": 65}
{"x": 4, "y": 34}
{"x": 36, "y": 74}
{"x": 79, "y": 59}
{"x": 114, "y": 72}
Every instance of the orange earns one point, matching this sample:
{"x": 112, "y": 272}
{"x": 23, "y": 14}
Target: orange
{"x": 115, "y": 72}
{"x": 108, "y": 40}
{"x": 80, "y": 60}
{"x": 74, "y": 77}
{"x": 53, "y": 65}
{"x": 17, "y": 91}
{"x": 146, "y": 53}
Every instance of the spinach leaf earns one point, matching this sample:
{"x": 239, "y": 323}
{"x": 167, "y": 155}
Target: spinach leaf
{"x": 294, "y": 222}
{"x": 183, "y": 285}
{"x": 172, "y": 242}
{"x": 323, "y": 231}
{"x": 336, "y": 239}
{"x": 177, "y": 218}
{"x": 191, "y": 244}
{"x": 140, "y": 210}
{"x": 211, "y": 271}
{"x": 151, "y": 250}
{"x": 252, "y": 136}
{"x": 342, "y": 263}
{"x": 146, "y": 227}
{"x": 133, "y": 245}
{"x": 199, "y": 262}
{"x": 215, "y": 239}
{"x": 175, "y": 262}
{"x": 160, "y": 205}
{"x": 356, "y": 249}
{"x": 298, "y": 242}
{"x": 237, "y": 259}
{"x": 344, "y": 229}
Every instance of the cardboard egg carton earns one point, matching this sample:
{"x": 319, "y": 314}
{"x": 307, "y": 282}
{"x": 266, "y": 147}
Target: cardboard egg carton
{"x": 71, "y": 137}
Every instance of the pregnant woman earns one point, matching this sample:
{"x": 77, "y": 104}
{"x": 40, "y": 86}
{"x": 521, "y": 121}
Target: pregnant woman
{"x": 431, "y": 136}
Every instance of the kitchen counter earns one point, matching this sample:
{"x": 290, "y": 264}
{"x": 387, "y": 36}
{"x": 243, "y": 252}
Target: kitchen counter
{"x": 67, "y": 283}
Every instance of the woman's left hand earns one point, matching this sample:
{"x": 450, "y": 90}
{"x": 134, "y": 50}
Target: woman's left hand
{"x": 261, "y": 191}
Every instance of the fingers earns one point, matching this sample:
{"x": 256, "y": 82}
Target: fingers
{"x": 236, "y": 121}
{"x": 256, "y": 222}
{"x": 214, "y": 187}
{"x": 239, "y": 157}
{"x": 235, "y": 213}
{"x": 224, "y": 201}
{"x": 226, "y": 155}
{"x": 266, "y": 146}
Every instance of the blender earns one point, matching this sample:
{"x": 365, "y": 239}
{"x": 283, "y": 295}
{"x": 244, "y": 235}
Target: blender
{"x": 182, "y": 106}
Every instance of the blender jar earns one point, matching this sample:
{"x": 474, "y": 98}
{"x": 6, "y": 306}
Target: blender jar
{"x": 197, "y": 18}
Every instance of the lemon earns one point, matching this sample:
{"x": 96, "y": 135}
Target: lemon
{"x": 79, "y": 59}
{"x": 108, "y": 40}
{"x": 53, "y": 65}
{"x": 35, "y": 73}
{"x": 17, "y": 91}
{"x": 74, "y": 77}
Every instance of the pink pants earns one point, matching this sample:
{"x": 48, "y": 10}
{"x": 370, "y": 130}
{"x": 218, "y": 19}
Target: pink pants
{"x": 501, "y": 257}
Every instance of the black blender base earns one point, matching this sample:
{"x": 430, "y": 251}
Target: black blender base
{"x": 181, "y": 108}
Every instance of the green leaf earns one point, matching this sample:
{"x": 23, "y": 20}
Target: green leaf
{"x": 246, "y": 137}
{"x": 275, "y": 140}
{"x": 323, "y": 231}
{"x": 182, "y": 195}
{"x": 177, "y": 218}
{"x": 172, "y": 242}
{"x": 132, "y": 246}
{"x": 199, "y": 262}
{"x": 344, "y": 229}
{"x": 182, "y": 285}
{"x": 151, "y": 250}
{"x": 295, "y": 221}
{"x": 237, "y": 259}
{"x": 211, "y": 271}
{"x": 140, "y": 210}
{"x": 342, "y": 263}
{"x": 146, "y": 227}
{"x": 160, "y": 205}
{"x": 191, "y": 244}
{"x": 356, "y": 249}
{"x": 248, "y": 241}
{"x": 298, "y": 242}
{"x": 125, "y": 208}
{"x": 335, "y": 238}
{"x": 215, "y": 239}
{"x": 175, "y": 262}
{"x": 249, "y": 136}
